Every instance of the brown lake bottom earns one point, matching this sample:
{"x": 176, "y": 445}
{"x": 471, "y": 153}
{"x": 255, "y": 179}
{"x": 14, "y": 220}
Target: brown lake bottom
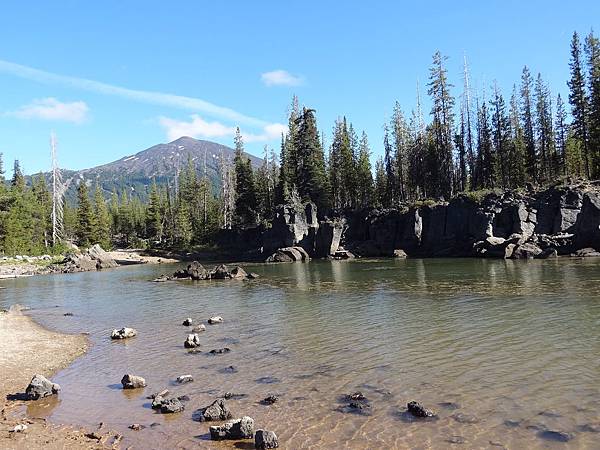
{"x": 505, "y": 352}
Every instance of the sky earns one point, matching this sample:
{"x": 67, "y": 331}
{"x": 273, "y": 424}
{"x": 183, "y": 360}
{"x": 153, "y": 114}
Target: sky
{"x": 112, "y": 78}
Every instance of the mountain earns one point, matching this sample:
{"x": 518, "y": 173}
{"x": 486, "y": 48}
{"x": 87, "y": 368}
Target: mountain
{"x": 161, "y": 162}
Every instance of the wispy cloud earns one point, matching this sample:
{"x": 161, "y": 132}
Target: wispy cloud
{"x": 53, "y": 109}
{"x": 151, "y": 97}
{"x": 197, "y": 127}
{"x": 281, "y": 78}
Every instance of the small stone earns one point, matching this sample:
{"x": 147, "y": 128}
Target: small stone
{"x": 162, "y": 393}
{"x": 171, "y": 406}
{"x": 456, "y": 440}
{"x": 132, "y": 382}
{"x": 590, "y": 427}
{"x": 68, "y": 314}
{"x": 465, "y": 418}
{"x": 136, "y": 427}
{"x": 187, "y": 322}
{"x": 253, "y": 276}
{"x": 181, "y": 379}
{"x": 217, "y": 410}
{"x": 356, "y": 396}
{"x": 271, "y": 399}
{"x": 417, "y": 410}
{"x": 220, "y": 351}
{"x": 40, "y": 387}
{"x": 215, "y": 320}
{"x": 199, "y": 328}
{"x": 123, "y": 333}
{"x": 19, "y": 428}
{"x": 264, "y": 439}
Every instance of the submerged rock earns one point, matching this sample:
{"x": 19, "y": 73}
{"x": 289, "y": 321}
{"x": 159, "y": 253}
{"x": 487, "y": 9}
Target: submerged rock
{"x": 217, "y": 410}
{"x": 187, "y": 322}
{"x": 132, "y": 382}
{"x": 269, "y": 400}
{"x": 40, "y": 387}
{"x": 558, "y": 436}
{"x": 465, "y": 418}
{"x": 215, "y": 320}
{"x": 220, "y": 351}
{"x": 237, "y": 429}
{"x": 264, "y": 439}
{"x": 289, "y": 254}
{"x": 123, "y": 333}
{"x": 181, "y": 379}
{"x": 199, "y": 328}
{"x": 417, "y": 410}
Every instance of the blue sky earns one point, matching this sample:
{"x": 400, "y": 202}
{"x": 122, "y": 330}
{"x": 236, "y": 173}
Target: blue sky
{"x": 112, "y": 78}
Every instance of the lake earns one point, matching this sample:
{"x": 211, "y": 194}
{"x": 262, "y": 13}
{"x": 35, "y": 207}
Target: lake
{"x": 500, "y": 350}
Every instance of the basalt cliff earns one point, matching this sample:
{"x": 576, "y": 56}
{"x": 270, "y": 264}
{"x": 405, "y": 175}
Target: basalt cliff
{"x": 561, "y": 220}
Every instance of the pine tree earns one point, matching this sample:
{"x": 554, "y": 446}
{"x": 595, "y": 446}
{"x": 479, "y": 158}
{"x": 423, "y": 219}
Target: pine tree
{"x": 485, "y": 157}
{"x": 518, "y": 174}
{"x": 560, "y": 135}
{"x": 364, "y": 176}
{"x": 86, "y": 226}
{"x": 102, "y": 219}
{"x": 401, "y": 144}
{"x": 579, "y": 103}
{"x": 18, "y": 180}
{"x": 528, "y": 124}
{"x": 381, "y": 184}
{"x": 545, "y": 133}
{"x": 501, "y": 137}
{"x": 389, "y": 198}
{"x": 442, "y": 126}
{"x": 41, "y": 212}
{"x": 245, "y": 200}
{"x": 289, "y": 162}
{"x": 154, "y": 224}
{"x": 313, "y": 183}
{"x": 592, "y": 50}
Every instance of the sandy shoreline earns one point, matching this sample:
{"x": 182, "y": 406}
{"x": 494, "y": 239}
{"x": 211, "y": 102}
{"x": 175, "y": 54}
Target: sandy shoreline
{"x": 26, "y": 349}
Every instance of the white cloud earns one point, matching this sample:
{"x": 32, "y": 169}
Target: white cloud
{"x": 53, "y": 109}
{"x": 197, "y": 127}
{"x": 281, "y": 78}
{"x": 155, "y": 98}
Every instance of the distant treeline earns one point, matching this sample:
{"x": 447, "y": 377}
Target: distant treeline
{"x": 480, "y": 143}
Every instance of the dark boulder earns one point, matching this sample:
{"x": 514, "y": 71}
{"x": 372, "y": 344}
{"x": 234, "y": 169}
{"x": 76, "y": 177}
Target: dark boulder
{"x": 40, "y": 387}
{"x": 417, "y": 410}
{"x": 553, "y": 435}
{"x": 221, "y": 272}
{"x": 132, "y": 382}
{"x": 528, "y": 250}
{"x": 170, "y": 406}
{"x": 264, "y": 439}
{"x": 217, "y": 410}
{"x": 237, "y": 429}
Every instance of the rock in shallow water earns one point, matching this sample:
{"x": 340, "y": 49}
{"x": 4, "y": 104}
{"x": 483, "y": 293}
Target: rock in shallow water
{"x": 236, "y": 429}
{"x": 192, "y": 341}
{"x": 558, "y": 436}
{"x": 123, "y": 333}
{"x": 220, "y": 351}
{"x": 132, "y": 382}
{"x": 215, "y": 320}
{"x": 40, "y": 387}
{"x": 181, "y": 379}
{"x": 199, "y": 328}
{"x": 217, "y": 410}
{"x": 187, "y": 322}
{"x": 172, "y": 405}
{"x": 417, "y": 410}
{"x": 264, "y": 439}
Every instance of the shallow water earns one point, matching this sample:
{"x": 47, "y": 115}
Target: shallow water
{"x": 515, "y": 341}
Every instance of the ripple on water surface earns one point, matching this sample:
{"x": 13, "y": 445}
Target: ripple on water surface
{"x": 506, "y": 352}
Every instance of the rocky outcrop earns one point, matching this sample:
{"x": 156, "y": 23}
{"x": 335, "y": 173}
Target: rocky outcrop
{"x": 195, "y": 271}
{"x": 289, "y": 254}
{"x": 94, "y": 258}
{"x": 40, "y": 387}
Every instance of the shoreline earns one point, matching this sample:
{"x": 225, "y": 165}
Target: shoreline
{"x": 27, "y": 348}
